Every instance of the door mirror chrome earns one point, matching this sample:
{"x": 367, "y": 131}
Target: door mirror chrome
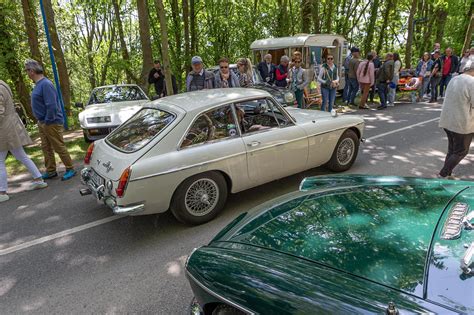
{"x": 466, "y": 261}
{"x": 391, "y": 309}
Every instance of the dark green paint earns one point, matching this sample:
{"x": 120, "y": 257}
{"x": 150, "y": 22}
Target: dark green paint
{"x": 343, "y": 244}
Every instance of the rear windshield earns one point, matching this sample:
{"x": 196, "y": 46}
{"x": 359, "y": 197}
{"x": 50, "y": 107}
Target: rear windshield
{"x": 139, "y": 130}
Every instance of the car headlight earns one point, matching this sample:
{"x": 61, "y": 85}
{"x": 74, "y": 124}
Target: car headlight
{"x": 98, "y": 120}
{"x": 289, "y": 97}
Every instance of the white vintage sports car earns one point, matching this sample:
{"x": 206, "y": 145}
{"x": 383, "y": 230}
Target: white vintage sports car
{"x": 108, "y": 107}
{"x": 187, "y": 152}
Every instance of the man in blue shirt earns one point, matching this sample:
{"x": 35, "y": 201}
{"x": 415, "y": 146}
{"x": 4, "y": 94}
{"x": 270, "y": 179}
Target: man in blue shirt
{"x": 47, "y": 110}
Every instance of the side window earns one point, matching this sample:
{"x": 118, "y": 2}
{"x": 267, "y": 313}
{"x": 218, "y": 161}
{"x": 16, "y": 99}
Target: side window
{"x": 216, "y": 124}
{"x": 255, "y": 115}
{"x": 279, "y": 112}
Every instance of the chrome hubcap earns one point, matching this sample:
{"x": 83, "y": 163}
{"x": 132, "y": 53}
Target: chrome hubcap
{"x": 201, "y": 197}
{"x": 345, "y": 151}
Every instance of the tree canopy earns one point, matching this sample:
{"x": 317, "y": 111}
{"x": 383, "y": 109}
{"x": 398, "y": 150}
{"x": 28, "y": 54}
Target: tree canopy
{"x": 102, "y": 42}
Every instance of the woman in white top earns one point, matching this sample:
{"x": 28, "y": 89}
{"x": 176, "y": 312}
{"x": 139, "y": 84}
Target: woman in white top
{"x": 396, "y": 77}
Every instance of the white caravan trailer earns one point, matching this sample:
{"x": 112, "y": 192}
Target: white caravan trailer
{"x": 313, "y": 47}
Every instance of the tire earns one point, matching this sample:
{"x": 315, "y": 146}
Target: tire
{"x": 86, "y": 138}
{"x": 342, "y": 159}
{"x": 209, "y": 191}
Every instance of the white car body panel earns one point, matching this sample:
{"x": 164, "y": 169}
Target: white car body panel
{"x": 246, "y": 161}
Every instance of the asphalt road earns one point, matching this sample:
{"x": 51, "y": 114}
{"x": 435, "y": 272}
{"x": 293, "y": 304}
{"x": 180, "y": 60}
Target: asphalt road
{"x": 103, "y": 264}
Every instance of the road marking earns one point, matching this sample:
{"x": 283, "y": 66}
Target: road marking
{"x": 401, "y": 129}
{"x": 86, "y": 226}
{"x": 48, "y": 238}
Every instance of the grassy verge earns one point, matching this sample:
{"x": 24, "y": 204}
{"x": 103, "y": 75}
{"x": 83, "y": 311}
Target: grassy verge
{"x": 76, "y": 147}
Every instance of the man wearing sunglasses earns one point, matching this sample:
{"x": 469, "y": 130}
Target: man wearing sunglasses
{"x": 225, "y": 78}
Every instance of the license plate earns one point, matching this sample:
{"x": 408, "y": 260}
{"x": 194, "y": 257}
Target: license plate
{"x": 96, "y": 178}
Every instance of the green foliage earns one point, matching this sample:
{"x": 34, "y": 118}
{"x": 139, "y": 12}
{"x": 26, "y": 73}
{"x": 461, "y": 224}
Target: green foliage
{"x": 223, "y": 27}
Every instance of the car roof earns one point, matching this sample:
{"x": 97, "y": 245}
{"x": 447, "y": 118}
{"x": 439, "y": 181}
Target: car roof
{"x": 200, "y": 100}
{"x": 378, "y": 228}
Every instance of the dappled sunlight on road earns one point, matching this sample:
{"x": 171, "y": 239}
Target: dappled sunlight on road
{"x": 176, "y": 267}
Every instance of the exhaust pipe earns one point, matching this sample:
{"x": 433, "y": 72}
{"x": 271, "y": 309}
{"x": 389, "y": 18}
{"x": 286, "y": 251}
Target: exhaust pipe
{"x": 85, "y": 192}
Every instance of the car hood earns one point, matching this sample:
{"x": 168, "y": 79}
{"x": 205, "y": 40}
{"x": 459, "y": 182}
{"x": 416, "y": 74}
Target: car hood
{"x": 119, "y": 111}
{"x": 379, "y": 230}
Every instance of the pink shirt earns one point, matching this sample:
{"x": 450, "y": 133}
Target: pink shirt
{"x": 370, "y": 75}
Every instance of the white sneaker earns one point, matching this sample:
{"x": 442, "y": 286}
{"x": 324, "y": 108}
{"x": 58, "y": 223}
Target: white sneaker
{"x": 4, "y": 198}
{"x": 390, "y": 105}
{"x": 37, "y": 185}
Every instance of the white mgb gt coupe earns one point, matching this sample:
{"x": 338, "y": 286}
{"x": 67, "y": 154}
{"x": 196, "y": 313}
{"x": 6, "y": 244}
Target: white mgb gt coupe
{"x": 108, "y": 107}
{"x": 187, "y": 152}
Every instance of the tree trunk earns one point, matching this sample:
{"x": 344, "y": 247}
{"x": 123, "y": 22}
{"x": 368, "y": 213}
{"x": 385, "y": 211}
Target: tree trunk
{"x": 469, "y": 31}
{"x": 306, "y": 16}
{"x": 441, "y": 17}
{"x": 371, "y": 27}
{"x": 9, "y": 61}
{"x": 386, "y": 17}
{"x": 329, "y": 16}
{"x": 411, "y": 27}
{"x": 164, "y": 46}
{"x": 315, "y": 15}
{"x": 123, "y": 45}
{"x": 59, "y": 56}
{"x": 186, "y": 35}
{"x": 192, "y": 21}
{"x": 147, "y": 53}
{"x": 31, "y": 30}
{"x": 177, "y": 38}
{"x": 110, "y": 50}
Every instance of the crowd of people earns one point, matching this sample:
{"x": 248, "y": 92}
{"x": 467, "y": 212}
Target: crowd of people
{"x": 433, "y": 73}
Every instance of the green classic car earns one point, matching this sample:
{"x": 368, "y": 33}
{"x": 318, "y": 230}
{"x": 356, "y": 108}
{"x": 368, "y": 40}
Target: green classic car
{"x": 344, "y": 245}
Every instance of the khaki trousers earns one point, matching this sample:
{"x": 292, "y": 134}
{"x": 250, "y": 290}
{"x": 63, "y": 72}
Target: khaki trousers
{"x": 365, "y": 87}
{"x": 52, "y": 141}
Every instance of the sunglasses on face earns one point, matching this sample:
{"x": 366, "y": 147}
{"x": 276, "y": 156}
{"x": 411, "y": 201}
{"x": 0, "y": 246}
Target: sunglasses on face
{"x": 330, "y": 58}
{"x": 224, "y": 67}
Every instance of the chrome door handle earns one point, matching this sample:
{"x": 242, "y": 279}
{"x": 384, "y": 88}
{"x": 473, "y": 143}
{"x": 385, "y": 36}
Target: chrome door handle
{"x": 253, "y": 144}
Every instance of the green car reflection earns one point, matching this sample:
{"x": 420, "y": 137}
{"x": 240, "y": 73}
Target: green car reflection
{"x": 343, "y": 244}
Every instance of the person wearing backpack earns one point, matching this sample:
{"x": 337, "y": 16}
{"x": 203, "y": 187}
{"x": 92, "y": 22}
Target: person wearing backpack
{"x": 345, "y": 65}
{"x": 329, "y": 80}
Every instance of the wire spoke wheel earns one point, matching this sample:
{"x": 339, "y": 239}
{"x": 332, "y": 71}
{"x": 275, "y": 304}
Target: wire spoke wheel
{"x": 201, "y": 197}
{"x": 345, "y": 151}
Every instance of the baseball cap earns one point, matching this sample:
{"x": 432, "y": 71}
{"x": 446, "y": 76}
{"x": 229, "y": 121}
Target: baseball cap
{"x": 196, "y": 60}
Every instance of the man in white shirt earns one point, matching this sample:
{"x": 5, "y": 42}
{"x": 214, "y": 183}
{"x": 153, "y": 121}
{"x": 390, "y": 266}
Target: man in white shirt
{"x": 457, "y": 119}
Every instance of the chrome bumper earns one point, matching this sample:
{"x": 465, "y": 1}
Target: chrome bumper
{"x": 100, "y": 193}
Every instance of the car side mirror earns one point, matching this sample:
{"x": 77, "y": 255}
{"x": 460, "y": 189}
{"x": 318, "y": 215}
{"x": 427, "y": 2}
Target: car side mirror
{"x": 79, "y": 105}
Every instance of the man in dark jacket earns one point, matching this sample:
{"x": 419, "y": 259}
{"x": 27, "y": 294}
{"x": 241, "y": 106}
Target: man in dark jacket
{"x": 267, "y": 69}
{"x": 450, "y": 66}
{"x": 157, "y": 78}
{"x": 384, "y": 77}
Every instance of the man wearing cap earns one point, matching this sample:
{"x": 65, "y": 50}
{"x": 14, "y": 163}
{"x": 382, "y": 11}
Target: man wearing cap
{"x": 457, "y": 119}
{"x": 435, "y": 78}
{"x": 198, "y": 78}
{"x": 352, "y": 75}
{"x": 267, "y": 69}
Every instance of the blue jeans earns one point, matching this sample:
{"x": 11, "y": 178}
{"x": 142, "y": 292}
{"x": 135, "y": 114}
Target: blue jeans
{"x": 444, "y": 83}
{"x": 353, "y": 88}
{"x": 329, "y": 96}
{"x": 382, "y": 89}
{"x": 345, "y": 93}
{"x": 434, "y": 83}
